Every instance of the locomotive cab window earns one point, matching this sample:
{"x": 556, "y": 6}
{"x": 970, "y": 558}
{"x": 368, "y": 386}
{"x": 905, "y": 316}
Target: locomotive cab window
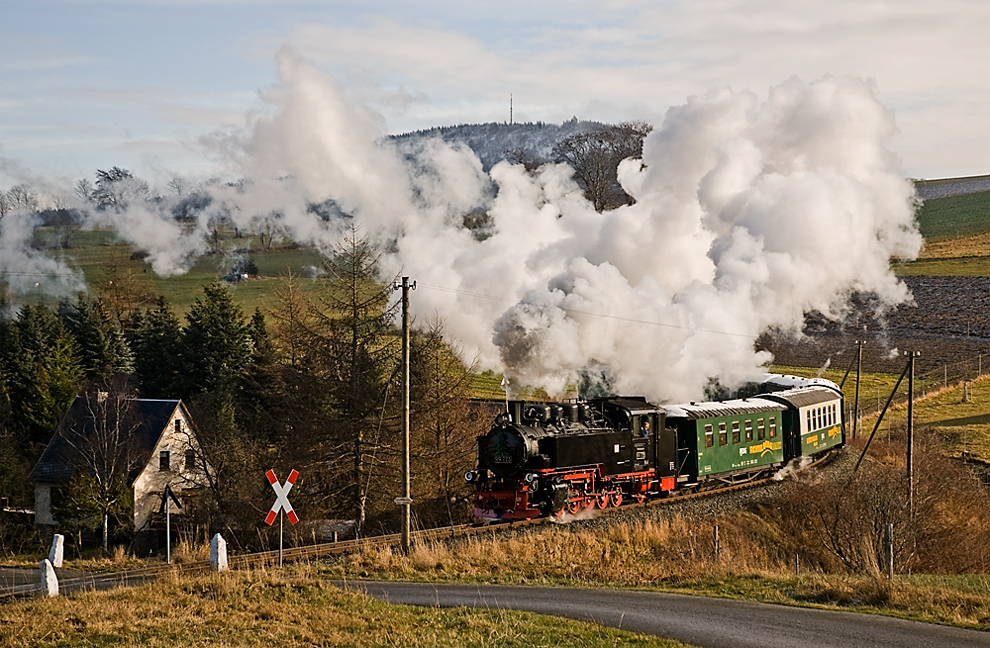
{"x": 709, "y": 435}
{"x": 735, "y": 432}
{"x": 722, "y": 436}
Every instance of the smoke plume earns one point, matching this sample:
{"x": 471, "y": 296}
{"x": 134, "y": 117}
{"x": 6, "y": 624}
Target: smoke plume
{"x": 748, "y": 213}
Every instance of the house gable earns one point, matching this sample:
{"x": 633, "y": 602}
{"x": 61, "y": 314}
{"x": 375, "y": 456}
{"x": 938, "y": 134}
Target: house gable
{"x": 176, "y": 460}
{"x": 153, "y": 426}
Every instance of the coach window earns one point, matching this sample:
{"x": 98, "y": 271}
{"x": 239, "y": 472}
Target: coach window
{"x": 722, "y": 436}
{"x": 773, "y": 427}
{"x": 760, "y": 429}
{"x": 809, "y": 422}
{"x": 709, "y": 435}
{"x": 749, "y": 429}
{"x": 735, "y": 432}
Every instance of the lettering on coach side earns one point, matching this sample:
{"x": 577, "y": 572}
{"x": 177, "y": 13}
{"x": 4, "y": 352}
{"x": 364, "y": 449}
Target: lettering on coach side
{"x": 765, "y": 447}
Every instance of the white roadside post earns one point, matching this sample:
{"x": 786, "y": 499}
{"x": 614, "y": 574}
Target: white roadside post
{"x": 218, "y": 554}
{"x": 281, "y": 504}
{"x": 49, "y": 581}
{"x": 57, "y": 552}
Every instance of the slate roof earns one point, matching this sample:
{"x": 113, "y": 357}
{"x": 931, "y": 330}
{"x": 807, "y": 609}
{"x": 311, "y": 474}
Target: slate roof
{"x": 147, "y": 417}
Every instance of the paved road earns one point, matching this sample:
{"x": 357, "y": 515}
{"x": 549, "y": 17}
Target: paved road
{"x": 713, "y": 623}
{"x": 16, "y": 582}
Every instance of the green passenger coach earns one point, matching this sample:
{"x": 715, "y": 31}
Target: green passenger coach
{"x": 814, "y": 417}
{"x": 729, "y": 441}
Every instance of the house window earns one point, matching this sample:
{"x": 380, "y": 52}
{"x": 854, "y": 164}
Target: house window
{"x": 709, "y": 435}
{"x": 190, "y": 459}
{"x": 164, "y": 458}
{"x": 178, "y": 426}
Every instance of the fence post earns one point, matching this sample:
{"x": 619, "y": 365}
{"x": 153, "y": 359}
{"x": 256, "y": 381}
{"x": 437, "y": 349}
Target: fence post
{"x": 889, "y": 551}
{"x": 715, "y": 540}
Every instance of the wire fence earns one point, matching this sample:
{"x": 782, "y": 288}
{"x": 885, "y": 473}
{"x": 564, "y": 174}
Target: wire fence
{"x": 930, "y": 382}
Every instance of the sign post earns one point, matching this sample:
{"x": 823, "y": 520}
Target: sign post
{"x": 281, "y": 504}
{"x": 166, "y": 496}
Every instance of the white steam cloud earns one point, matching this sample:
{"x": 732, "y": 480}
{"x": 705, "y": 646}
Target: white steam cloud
{"x": 748, "y": 214}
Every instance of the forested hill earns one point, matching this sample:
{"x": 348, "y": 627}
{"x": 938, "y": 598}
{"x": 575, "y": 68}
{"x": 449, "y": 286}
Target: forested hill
{"x": 494, "y": 142}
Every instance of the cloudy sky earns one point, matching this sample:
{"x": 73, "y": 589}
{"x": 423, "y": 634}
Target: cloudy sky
{"x": 87, "y": 84}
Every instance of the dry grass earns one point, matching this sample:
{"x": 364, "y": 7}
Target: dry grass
{"x": 754, "y": 561}
{"x": 280, "y": 608}
{"x": 976, "y": 245}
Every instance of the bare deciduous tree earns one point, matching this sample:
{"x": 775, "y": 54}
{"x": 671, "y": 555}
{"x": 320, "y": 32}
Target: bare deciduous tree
{"x": 101, "y": 433}
{"x": 595, "y": 157}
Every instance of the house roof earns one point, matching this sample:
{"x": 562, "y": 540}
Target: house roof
{"x": 146, "y": 420}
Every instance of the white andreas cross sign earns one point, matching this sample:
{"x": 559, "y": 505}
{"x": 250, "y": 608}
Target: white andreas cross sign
{"x": 281, "y": 497}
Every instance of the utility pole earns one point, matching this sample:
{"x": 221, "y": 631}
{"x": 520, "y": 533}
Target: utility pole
{"x": 859, "y": 374}
{"x": 910, "y": 432}
{"x": 405, "y": 500}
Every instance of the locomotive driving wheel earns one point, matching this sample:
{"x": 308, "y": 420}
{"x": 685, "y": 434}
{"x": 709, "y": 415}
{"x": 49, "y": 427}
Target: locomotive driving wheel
{"x": 601, "y": 499}
{"x": 615, "y": 497}
{"x": 574, "y": 505}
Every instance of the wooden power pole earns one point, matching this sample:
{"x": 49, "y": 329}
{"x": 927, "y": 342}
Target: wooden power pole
{"x": 405, "y": 500}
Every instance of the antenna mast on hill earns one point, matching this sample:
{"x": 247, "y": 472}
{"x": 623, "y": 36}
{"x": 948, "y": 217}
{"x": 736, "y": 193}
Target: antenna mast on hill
{"x": 510, "y": 109}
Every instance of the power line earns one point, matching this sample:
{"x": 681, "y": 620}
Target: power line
{"x": 39, "y": 274}
{"x": 569, "y": 311}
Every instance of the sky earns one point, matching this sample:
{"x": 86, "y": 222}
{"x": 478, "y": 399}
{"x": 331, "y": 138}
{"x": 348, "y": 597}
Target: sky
{"x": 139, "y": 84}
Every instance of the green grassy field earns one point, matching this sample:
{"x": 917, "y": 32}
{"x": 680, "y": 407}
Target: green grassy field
{"x": 956, "y": 231}
{"x": 955, "y": 216}
{"x": 92, "y": 251}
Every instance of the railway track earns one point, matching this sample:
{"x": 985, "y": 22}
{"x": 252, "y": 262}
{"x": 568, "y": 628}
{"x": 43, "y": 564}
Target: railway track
{"x": 130, "y": 577}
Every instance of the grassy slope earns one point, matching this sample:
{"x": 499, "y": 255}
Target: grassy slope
{"x": 247, "y": 609}
{"x": 957, "y": 237}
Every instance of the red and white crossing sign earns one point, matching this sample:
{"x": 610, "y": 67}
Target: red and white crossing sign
{"x": 281, "y": 497}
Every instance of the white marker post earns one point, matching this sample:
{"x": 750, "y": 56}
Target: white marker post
{"x": 56, "y": 553}
{"x": 281, "y": 504}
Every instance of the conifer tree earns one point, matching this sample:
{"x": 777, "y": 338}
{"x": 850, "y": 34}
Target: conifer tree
{"x": 156, "y": 338}
{"x": 103, "y": 350}
{"x": 216, "y": 343}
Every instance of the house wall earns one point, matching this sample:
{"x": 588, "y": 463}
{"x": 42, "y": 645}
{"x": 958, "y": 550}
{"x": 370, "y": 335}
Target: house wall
{"x": 43, "y": 504}
{"x": 151, "y": 482}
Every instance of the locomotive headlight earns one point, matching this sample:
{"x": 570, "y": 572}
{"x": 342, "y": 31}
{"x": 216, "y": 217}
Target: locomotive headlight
{"x": 470, "y": 476}
{"x": 529, "y": 478}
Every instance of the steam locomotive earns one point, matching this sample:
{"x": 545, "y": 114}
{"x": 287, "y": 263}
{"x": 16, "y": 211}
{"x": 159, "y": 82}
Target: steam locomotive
{"x": 544, "y": 459}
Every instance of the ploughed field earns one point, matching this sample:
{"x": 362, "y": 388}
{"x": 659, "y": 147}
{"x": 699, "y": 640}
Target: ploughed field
{"x": 948, "y": 323}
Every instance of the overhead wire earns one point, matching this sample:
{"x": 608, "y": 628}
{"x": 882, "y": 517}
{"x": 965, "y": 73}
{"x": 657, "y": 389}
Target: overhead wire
{"x": 569, "y": 310}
